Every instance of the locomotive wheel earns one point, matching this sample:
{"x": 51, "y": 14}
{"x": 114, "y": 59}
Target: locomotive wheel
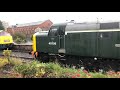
{"x": 43, "y": 58}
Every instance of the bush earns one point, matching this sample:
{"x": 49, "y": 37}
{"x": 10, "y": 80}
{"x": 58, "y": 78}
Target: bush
{"x": 33, "y": 69}
{"x": 7, "y": 54}
{"x": 98, "y": 75}
{"x": 54, "y": 70}
{"x": 51, "y": 67}
{"x": 70, "y": 73}
{"x": 46, "y": 70}
{"x": 3, "y": 62}
{"x": 19, "y": 38}
{"x": 15, "y": 62}
{"x": 26, "y": 70}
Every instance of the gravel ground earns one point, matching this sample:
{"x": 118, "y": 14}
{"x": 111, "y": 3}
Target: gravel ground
{"x": 19, "y": 54}
{"x": 27, "y": 43}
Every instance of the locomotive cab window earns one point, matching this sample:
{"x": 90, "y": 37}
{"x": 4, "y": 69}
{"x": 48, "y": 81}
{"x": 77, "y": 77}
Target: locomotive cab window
{"x": 53, "y": 31}
{"x": 62, "y": 30}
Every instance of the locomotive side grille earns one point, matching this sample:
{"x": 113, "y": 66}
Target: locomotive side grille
{"x": 113, "y": 25}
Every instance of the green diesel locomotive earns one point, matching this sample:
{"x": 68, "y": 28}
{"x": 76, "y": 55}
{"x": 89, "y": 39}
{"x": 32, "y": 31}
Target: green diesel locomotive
{"x": 93, "y": 45}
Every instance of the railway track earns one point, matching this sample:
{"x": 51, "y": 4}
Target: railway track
{"x": 21, "y": 51}
{"x": 22, "y": 55}
{"x": 22, "y": 47}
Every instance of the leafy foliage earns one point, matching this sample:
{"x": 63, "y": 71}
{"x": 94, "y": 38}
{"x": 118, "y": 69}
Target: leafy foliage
{"x": 15, "y": 62}
{"x": 30, "y": 70}
{"x": 1, "y": 26}
{"x": 7, "y": 54}
{"x": 25, "y": 70}
{"x": 3, "y": 62}
{"x": 19, "y": 38}
{"x": 35, "y": 69}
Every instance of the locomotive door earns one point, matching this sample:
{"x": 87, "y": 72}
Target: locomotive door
{"x": 56, "y": 42}
{"x": 105, "y": 46}
{"x": 61, "y": 39}
{"x": 53, "y": 40}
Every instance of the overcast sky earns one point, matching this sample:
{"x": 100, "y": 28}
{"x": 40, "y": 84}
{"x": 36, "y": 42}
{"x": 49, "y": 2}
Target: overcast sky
{"x": 57, "y": 17}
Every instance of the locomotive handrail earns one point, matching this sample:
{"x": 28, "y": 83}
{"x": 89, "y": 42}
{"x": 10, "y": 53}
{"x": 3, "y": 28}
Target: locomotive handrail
{"x": 59, "y": 41}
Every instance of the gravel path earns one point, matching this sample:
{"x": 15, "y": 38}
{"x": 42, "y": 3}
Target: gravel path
{"x": 19, "y": 54}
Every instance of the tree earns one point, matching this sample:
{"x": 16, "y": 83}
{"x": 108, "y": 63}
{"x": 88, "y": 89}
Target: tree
{"x": 1, "y": 26}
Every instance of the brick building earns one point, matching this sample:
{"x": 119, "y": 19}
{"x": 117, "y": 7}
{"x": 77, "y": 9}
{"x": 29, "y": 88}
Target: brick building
{"x": 29, "y": 28}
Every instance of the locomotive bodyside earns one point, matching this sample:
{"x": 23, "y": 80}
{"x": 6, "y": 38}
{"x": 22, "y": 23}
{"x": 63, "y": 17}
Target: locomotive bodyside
{"x": 102, "y": 43}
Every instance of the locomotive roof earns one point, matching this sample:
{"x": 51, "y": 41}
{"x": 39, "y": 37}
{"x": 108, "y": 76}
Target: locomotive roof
{"x": 42, "y": 33}
{"x": 92, "y": 26}
{"x": 59, "y": 24}
{"x": 4, "y": 33}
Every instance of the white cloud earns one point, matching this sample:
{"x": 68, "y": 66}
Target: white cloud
{"x": 57, "y": 17}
